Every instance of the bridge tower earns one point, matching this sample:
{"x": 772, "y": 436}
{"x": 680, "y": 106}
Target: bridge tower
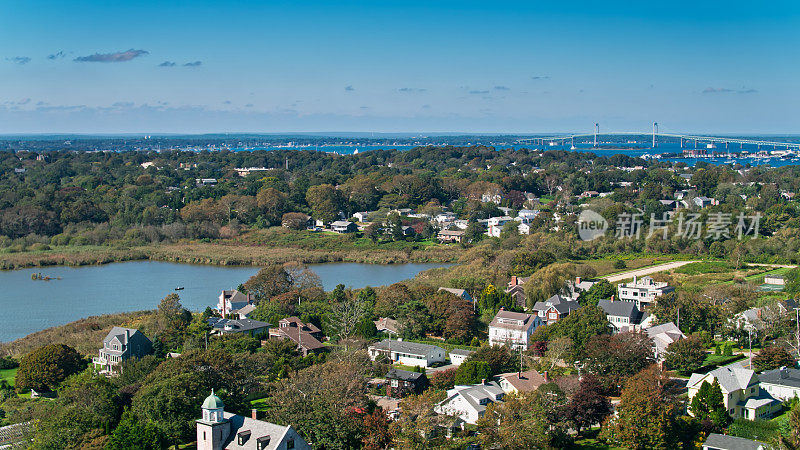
{"x": 655, "y": 130}
{"x": 596, "y": 130}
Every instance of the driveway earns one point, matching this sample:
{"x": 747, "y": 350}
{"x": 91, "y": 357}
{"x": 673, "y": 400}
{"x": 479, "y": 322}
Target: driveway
{"x": 645, "y": 271}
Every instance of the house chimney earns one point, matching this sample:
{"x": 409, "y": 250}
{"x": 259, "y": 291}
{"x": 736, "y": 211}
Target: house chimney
{"x": 612, "y": 298}
{"x": 546, "y": 377}
{"x": 483, "y": 380}
{"x": 577, "y": 280}
{"x": 254, "y": 414}
{"x": 513, "y": 280}
{"x": 634, "y": 280}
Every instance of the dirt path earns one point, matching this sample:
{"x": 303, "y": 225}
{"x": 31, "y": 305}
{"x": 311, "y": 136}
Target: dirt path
{"x": 645, "y": 271}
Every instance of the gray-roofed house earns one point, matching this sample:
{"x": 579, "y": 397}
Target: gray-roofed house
{"x": 387, "y": 325}
{"x": 662, "y": 336}
{"x": 218, "y": 430}
{"x": 306, "y": 335}
{"x": 230, "y": 326}
{"x": 555, "y": 308}
{"x": 407, "y": 353}
{"x": 783, "y": 383}
{"x": 724, "y": 442}
{"x": 121, "y": 344}
{"x": 231, "y": 302}
{"x": 403, "y": 383}
{"x": 469, "y": 402}
{"x": 460, "y": 293}
{"x": 622, "y": 316}
{"x": 513, "y": 329}
{"x": 741, "y": 393}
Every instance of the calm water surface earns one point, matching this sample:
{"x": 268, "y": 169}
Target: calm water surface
{"x": 29, "y": 306}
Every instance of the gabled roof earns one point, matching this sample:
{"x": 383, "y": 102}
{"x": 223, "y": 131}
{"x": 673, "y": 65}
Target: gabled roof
{"x": 411, "y": 348}
{"x": 784, "y": 376}
{"x": 559, "y": 303}
{"x": 237, "y": 325}
{"x": 342, "y": 223}
{"x": 309, "y": 327}
{"x": 405, "y": 375}
{"x": 723, "y": 442}
{"x": 300, "y": 337}
{"x": 730, "y": 378}
{"x": 473, "y": 394}
{"x": 456, "y": 292}
{"x": 525, "y": 381}
{"x": 512, "y": 320}
{"x": 620, "y": 309}
{"x": 258, "y": 429}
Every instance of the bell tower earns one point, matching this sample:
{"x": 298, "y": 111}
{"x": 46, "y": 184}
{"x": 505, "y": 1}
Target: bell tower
{"x": 212, "y": 429}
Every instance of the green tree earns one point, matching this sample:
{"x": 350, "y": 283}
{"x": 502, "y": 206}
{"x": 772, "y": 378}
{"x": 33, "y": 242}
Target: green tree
{"x": 772, "y": 357}
{"x": 325, "y": 201}
{"x": 522, "y": 421}
{"x": 685, "y": 355}
{"x": 272, "y": 204}
{"x": 647, "y": 414}
{"x": 473, "y": 372}
{"x": 601, "y": 290}
{"x": 268, "y": 282}
{"x": 134, "y": 434}
{"x": 579, "y": 326}
{"x": 708, "y": 404}
{"x": 46, "y": 367}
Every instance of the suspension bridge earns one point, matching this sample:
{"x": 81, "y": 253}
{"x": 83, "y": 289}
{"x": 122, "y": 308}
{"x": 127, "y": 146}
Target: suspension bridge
{"x": 686, "y": 140}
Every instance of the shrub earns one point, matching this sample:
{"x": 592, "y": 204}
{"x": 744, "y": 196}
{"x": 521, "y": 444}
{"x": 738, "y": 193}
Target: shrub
{"x": 46, "y": 367}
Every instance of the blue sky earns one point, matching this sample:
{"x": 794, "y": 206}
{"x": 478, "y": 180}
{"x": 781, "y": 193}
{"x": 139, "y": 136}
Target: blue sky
{"x": 523, "y": 67}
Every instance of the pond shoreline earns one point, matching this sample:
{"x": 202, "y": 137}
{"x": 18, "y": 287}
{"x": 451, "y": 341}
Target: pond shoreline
{"x": 221, "y": 255}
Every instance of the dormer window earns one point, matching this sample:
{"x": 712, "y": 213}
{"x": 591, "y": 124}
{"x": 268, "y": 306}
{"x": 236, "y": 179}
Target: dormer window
{"x": 242, "y": 437}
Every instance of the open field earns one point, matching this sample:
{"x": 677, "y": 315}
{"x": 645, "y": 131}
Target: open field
{"x": 8, "y": 375}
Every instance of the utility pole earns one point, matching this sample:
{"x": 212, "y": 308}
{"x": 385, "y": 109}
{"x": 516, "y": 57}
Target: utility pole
{"x": 679, "y": 318}
{"x": 750, "y": 342}
{"x": 797, "y": 332}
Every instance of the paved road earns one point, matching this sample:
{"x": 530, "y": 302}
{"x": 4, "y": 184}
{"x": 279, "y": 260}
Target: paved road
{"x": 646, "y": 271}
{"x": 673, "y": 265}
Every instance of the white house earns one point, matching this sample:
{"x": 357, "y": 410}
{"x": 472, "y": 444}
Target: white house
{"x": 232, "y": 302}
{"x": 469, "y": 402}
{"x": 362, "y": 216}
{"x": 643, "y": 291}
{"x": 458, "y": 356}
{"x": 407, "y": 353}
{"x": 741, "y": 393}
{"x": 512, "y": 328}
{"x": 526, "y": 215}
{"x": 495, "y": 225}
{"x": 218, "y": 430}
{"x": 783, "y": 383}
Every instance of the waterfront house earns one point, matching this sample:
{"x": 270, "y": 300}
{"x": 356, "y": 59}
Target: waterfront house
{"x": 450, "y": 235}
{"x": 233, "y": 326}
{"x": 513, "y": 329}
{"x": 469, "y": 402}
{"x": 741, "y": 393}
{"x": 121, "y": 344}
{"x": 231, "y": 303}
{"x": 218, "y": 430}
{"x": 407, "y": 353}
{"x": 403, "y": 383}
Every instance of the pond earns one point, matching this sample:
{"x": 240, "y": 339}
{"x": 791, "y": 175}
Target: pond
{"x": 30, "y": 306}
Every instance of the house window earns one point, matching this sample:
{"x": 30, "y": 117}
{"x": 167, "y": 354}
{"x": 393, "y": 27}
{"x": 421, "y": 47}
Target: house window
{"x": 290, "y": 443}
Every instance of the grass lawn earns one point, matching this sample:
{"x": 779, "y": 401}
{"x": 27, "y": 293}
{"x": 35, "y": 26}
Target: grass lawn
{"x": 590, "y": 442}
{"x": 259, "y": 404}
{"x": 8, "y": 375}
